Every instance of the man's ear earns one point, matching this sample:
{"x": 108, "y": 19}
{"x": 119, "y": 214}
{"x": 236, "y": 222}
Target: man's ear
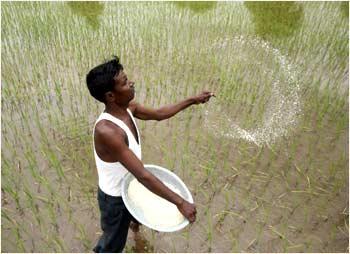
{"x": 109, "y": 96}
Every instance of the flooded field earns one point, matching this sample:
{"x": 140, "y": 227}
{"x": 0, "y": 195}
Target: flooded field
{"x": 266, "y": 160}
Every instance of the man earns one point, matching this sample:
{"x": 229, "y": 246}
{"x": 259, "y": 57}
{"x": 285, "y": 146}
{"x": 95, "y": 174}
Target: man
{"x": 117, "y": 150}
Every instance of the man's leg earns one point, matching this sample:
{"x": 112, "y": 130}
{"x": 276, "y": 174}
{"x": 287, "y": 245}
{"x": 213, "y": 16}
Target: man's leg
{"x": 134, "y": 225}
{"x": 115, "y": 221}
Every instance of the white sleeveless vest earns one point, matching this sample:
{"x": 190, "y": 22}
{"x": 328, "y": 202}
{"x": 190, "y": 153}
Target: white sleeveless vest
{"x": 110, "y": 174}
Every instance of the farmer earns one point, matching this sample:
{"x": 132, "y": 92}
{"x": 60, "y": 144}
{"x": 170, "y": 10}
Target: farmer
{"x": 117, "y": 150}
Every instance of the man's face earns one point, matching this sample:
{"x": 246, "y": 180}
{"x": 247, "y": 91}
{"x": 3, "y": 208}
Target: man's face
{"x": 124, "y": 88}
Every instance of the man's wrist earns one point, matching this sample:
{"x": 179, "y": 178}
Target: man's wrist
{"x": 179, "y": 201}
{"x": 191, "y": 100}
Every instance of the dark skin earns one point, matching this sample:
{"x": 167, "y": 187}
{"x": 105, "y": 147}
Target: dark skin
{"x": 111, "y": 142}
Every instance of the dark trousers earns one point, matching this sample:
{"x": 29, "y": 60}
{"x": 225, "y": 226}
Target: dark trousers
{"x": 115, "y": 221}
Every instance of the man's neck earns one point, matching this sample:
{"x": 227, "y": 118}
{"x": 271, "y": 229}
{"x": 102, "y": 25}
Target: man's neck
{"x": 116, "y": 110}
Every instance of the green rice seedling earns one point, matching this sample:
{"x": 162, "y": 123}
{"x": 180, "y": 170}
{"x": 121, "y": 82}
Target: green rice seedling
{"x": 52, "y": 213}
{"x": 33, "y": 166}
{"x": 19, "y": 241}
{"x": 234, "y": 242}
{"x": 59, "y": 245}
{"x": 15, "y": 195}
{"x": 209, "y": 230}
{"x": 83, "y": 236}
{"x": 6, "y": 216}
{"x": 15, "y": 229}
{"x": 33, "y": 206}
{"x": 54, "y": 161}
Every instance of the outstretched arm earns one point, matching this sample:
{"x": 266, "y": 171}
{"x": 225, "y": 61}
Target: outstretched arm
{"x": 165, "y": 112}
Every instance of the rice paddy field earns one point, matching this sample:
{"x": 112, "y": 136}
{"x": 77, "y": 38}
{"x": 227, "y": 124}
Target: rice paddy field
{"x": 266, "y": 160}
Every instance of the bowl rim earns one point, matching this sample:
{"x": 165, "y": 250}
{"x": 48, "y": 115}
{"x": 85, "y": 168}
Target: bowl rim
{"x": 172, "y": 229}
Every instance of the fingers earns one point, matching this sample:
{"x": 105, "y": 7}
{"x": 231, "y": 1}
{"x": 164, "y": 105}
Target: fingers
{"x": 208, "y": 93}
{"x": 192, "y": 218}
{"x": 193, "y": 215}
{"x": 207, "y": 97}
{"x": 204, "y": 97}
{"x": 190, "y": 212}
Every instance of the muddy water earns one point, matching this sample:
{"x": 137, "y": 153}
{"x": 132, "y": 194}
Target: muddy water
{"x": 290, "y": 196}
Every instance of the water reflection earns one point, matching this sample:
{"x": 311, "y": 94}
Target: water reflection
{"x": 278, "y": 19}
{"x": 89, "y": 10}
{"x": 197, "y": 7}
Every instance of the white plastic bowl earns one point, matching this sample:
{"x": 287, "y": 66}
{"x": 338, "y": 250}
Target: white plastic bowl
{"x": 163, "y": 175}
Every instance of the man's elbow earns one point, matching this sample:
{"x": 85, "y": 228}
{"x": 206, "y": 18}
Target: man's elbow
{"x": 160, "y": 115}
{"x": 145, "y": 177}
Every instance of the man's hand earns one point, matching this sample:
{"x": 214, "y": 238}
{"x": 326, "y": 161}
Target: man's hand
{"x": 188, "y": 210}
{"x": 203, "y": 97}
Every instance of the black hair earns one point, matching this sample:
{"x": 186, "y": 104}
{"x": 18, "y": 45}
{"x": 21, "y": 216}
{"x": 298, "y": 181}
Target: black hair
{"x": 100, "y": 79}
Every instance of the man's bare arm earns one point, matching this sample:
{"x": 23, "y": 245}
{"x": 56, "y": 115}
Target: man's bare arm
{"x": 165, "y": 112}
{"x": 113, "y": 138}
